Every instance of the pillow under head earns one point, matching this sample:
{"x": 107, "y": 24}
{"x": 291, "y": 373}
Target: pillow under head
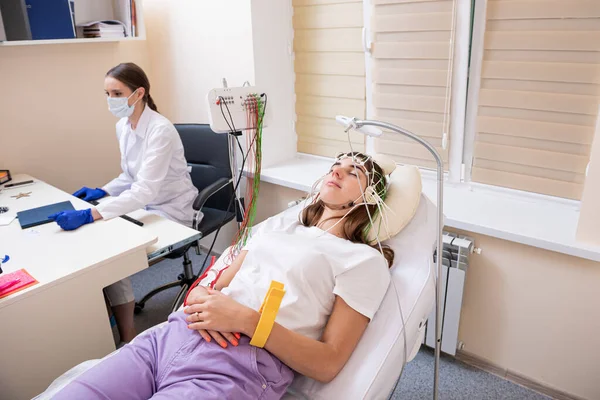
{"x": 401, "y": 201}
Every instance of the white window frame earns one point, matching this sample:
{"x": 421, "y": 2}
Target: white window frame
{"x": 472, "y": 108}
{"x": 460, "y": 68}
{"x": 477, "y": 46}
{"x": 366, "y": 36}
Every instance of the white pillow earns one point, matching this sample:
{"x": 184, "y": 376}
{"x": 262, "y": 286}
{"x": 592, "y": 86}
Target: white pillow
{"x": 402, "y": 200}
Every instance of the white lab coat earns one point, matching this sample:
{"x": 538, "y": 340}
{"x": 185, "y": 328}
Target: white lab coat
{"x": 155, "y": 173}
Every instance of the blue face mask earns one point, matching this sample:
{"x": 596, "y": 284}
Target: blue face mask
{"x": 119, "y": 106}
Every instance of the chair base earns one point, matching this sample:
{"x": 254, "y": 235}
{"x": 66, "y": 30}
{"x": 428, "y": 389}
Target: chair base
{"x": 184, "y": 280}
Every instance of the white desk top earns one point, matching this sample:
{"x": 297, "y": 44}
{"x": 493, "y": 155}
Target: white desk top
{"x": 50, "y": 254}
{"x": 171, "y": 235}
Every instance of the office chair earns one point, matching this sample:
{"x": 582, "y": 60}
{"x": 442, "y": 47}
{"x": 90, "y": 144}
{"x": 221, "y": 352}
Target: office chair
{"x": 207, "y": 153}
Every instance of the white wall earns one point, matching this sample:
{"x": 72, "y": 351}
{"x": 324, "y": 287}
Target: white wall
{"x": 192, "y": 45}
{"x": 93, "y": 10}
{"x": 274, "y": 68}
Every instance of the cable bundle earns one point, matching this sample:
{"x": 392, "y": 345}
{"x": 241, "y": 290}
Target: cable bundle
{"x": 255, "y": 112}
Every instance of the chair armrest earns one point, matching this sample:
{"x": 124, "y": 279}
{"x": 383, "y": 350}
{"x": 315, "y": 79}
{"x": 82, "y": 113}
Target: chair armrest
{"x": 208, "y": 191}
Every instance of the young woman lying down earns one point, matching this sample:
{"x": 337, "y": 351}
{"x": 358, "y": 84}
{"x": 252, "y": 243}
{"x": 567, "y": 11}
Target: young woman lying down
{"x": 334, "y": 283}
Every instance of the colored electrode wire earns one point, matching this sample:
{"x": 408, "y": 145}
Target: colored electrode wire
{"x": 255, "y": 112}
{"x": 257, "y": 138}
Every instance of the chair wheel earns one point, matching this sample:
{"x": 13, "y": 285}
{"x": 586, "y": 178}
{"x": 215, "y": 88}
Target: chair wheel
{"x": 138, "y": 308}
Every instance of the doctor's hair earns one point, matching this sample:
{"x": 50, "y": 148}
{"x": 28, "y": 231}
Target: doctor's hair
{"x": 357, "y": 223}
{"x": 132, "y": 76}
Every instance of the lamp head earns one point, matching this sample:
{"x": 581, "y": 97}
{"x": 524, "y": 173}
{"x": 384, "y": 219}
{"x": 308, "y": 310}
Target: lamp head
{"x": 358, "y": 125}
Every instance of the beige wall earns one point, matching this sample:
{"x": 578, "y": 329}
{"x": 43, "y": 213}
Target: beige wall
{"x": 531, "y": 311}
{"x": 536, "y": 313}
{"x": 54, "y": 122}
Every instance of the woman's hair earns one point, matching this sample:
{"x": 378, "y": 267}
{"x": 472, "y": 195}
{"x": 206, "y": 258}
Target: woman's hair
{"x": 357, "y": 223}
{"x": 133, "y": 77}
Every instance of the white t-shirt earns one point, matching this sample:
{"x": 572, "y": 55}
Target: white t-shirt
{"x": 314, "y": 266}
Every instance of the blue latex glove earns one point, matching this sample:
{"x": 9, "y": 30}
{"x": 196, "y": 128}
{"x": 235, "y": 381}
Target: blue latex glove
{"x": 87, "y": 194}
{"x": 71, "y": 220}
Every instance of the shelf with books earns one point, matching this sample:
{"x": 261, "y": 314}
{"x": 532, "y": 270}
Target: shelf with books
{"x": 88, "y": 21}
{"x": 69, "y": 41}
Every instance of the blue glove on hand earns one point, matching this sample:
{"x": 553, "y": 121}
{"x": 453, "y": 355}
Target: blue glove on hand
{"x": 71, "y": 220}
{"x": 87, "y": 194}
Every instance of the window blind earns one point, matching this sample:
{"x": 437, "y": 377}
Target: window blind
{"x": 539, "y": 94}
{"x": 330, "y": 73}
{"x": 410, "y": 61}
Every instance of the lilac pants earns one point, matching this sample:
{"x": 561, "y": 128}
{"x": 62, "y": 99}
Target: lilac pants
{"x": 174, "y": 362}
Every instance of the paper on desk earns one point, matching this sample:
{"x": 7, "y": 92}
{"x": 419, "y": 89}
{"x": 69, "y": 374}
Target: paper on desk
{"x": 6, "y": 218}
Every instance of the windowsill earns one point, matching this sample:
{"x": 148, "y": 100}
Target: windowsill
{"x": 534, "y": 220}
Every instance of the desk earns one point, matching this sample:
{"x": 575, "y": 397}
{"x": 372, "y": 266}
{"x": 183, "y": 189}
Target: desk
{"x": 171, "y": 235}
{"x": 62, "y": 321}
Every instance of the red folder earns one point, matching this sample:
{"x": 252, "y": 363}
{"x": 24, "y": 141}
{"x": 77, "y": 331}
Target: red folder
{"x": 25, "y": 280}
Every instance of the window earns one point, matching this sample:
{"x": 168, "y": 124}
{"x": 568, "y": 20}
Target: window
{"x": 330, "y": 73}
{"x": 528, "y": 119}
{"x": 410, "y": 81}
{"x": 537, "y": 96}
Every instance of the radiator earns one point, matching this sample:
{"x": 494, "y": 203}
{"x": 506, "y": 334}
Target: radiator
{"x": 455, "y": 262}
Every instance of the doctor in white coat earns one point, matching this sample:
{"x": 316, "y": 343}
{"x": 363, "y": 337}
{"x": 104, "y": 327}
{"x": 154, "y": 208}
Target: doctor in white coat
{"x": 155, "y": 174}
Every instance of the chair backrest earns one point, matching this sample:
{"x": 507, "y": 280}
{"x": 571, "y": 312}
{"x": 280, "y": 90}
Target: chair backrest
{"x": 207, "y": 153}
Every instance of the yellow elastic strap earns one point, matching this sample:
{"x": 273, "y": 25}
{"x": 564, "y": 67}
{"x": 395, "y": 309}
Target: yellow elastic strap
{"x": 268, "y": 312}
{"x": 274, "y": 285}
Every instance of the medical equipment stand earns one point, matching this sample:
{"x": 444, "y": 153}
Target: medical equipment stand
{"x": 239, "y": 207}
{"x": 362, "y": 126}
{"x": 236, "y": 100}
